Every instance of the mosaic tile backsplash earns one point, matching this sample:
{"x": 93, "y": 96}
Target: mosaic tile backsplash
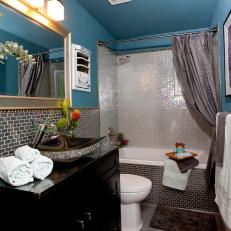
{"x": 16, "y": 128}
{"x": 196, "y": 195}
{"x": 108, "y": 97}
{"x": 152, "y": 111}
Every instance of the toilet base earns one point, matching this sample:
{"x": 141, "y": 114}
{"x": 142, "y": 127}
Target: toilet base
{"x": 131, "y": 217}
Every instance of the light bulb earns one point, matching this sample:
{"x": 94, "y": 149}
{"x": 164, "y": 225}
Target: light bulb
{"x": 36, "y": 3}
{"x": 55, "y": 10}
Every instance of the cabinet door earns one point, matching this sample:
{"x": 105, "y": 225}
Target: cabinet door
{"x": 96, "y": 206}
{"x": 100, "y": 205}
{"x": 109, "y": 207}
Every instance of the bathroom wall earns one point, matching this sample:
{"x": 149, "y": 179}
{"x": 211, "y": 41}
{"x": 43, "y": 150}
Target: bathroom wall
{"x": 222, "y": 10}
{"x": 86, "y": 31}
{"x": 151, "y": 112}
{"x": 108, "y": 97}
{"x": 16, "y": 127}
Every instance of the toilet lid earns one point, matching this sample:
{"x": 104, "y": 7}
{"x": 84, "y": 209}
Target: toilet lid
{"x": 133, "y": 183}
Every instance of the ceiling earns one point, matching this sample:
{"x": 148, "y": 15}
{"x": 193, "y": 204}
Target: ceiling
{"x": 146, "y": 17}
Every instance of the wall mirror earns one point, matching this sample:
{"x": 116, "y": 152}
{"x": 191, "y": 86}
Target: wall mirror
{"x": 45, "y": 83}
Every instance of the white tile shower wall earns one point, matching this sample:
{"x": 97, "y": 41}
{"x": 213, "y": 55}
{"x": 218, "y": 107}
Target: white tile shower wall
{"x": 150, "y": 114}
{"x": 108, "y": 98}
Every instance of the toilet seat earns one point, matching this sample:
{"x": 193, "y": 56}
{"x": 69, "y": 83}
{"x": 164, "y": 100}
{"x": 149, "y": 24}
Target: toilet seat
{"x": 134, "y": 184}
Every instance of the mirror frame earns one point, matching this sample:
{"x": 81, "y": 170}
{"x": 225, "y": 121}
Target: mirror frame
{"x": 23, "y": 102}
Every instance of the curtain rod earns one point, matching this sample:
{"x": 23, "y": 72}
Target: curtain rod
{"x": 136, "y": 51}
{"x": 49, "y": 52}
{"x": 100, "y": 43}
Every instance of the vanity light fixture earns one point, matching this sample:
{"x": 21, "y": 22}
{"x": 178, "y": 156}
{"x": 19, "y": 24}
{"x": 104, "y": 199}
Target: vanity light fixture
{"x": 18, "y": 6}
{"x": 55, "y": 10}
{"x": 40, "y": 18}
{"x": 38, "y": 4}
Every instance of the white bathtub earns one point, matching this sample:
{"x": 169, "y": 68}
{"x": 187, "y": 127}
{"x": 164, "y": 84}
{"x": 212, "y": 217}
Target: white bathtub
{"x": 154, "y": 156}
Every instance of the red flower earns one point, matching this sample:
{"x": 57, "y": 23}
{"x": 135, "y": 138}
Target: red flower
{"x": 75, "y": 115}
{"x": 124, "y": 141}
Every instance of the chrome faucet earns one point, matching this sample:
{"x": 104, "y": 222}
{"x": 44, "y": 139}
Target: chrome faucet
{"x": 112, "y": 135}
{"x": 39, "y": 135}
{"x": 41, "y": 128}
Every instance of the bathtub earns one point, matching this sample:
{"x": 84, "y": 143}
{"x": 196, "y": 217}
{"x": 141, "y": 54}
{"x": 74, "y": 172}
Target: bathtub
{"x": 154, "y": 156}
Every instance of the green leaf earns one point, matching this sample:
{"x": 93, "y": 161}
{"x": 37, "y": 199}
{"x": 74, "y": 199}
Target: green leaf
{"x": 75, "y": 124}
{"x": 62, "y": 123}
{"x": 66, "y": 106}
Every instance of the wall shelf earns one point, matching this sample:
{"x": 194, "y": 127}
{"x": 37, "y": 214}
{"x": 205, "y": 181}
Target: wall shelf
{"x": 81, "y": 78}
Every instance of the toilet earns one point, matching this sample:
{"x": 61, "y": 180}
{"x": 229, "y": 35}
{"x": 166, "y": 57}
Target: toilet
{"x": 133, "y": 189}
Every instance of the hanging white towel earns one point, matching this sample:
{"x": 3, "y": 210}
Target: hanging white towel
{"x": 42, "y": 167}
{"x": 15, "y": 171}
{"x": 223, "y": 176}
{"x": 27, "y": 153}
{"x": 173, "y": 177}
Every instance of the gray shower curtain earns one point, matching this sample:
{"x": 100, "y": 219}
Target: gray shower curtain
{"x": 193, "y": 58}
{"x": 30, "y": 77}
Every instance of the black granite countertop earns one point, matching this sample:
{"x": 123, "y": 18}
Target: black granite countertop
{"x": 60, "y": 173}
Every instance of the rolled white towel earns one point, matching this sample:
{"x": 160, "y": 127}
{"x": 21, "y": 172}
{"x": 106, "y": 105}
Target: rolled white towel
{"x": 42, "y": 167}
{"x": 15, "y": 171}
{"x": 27, "y": 153}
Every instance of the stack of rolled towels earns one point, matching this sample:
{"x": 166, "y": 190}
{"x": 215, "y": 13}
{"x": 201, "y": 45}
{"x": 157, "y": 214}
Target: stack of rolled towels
{"x": 26, "y": 165}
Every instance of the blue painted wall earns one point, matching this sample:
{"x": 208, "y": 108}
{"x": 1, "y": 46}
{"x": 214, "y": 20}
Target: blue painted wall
{"x": 152, "y": 43}
{"x": 222, "y": 10}
{"x": 86, "y": 30}
{"x": 9, "y": 70}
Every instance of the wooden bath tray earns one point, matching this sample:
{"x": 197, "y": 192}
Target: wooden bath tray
{"x": 172, "y": 155}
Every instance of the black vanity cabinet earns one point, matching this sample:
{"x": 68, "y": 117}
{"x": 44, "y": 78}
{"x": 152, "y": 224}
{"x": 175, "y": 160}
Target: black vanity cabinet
{"x": 83, "y": 196}
{"x": 97, "y": 204}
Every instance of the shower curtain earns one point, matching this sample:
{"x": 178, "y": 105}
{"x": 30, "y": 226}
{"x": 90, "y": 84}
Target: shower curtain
{"x": 30, "y": 77}
{"x": 193, "y": 57}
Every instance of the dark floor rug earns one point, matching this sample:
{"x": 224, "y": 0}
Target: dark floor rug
{"x": 174, "y": 219}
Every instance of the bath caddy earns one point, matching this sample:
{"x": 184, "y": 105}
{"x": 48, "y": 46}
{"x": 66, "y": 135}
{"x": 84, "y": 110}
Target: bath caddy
{"x": 172, "y": 155}
{"x": 68, "y": 149}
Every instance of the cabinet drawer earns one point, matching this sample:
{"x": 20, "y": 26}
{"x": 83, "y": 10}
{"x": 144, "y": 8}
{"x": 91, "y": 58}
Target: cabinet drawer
{"x": 105, "y": 165}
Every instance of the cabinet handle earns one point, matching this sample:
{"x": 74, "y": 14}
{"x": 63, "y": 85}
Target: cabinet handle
{"x": 89, "y": 215}
{"x": 81, "y": 223}
{"x": 114, "y": 193}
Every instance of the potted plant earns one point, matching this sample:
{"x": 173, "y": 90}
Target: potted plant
{"x": 70, "y": 120}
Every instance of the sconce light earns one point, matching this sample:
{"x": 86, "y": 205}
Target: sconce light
{"x": 36, "y": 3}
{"x": 55, "y": 10}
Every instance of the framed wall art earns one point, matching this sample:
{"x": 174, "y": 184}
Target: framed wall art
{"x": 227, "y": 45}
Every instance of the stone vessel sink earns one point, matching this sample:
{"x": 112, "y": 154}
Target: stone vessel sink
{"x": 68, "y": 149}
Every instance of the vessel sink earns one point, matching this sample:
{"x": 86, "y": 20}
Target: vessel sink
{"x": 67, "y": 149}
